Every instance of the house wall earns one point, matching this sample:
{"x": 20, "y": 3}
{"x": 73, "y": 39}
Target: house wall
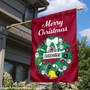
{"x": 12, "y": 11}
{"x": 18, "y": 53}
{"x": 12, "y": 8}
{"x": 16, "y": 50}
{"x": 3, "y": 34}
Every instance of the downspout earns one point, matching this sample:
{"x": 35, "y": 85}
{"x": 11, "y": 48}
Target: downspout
{"x": 45, "y": 8}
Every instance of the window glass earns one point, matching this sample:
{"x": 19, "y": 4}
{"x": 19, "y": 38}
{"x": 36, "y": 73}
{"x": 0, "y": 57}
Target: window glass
{"x": 8, "y": 67}
{"x": 28, "y": 16}
{"x": 20, "y": 73}
{"x": 29, "y": 76}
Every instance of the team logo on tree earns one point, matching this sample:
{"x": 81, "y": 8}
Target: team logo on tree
{"x": 53, "y": 56}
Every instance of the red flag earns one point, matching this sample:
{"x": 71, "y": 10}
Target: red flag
{"x": 54, "y": 49}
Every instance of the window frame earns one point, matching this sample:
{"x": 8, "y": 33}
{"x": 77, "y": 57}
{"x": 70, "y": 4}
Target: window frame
{"x": 15, "y": 68}
{"x": 23, "y": 19}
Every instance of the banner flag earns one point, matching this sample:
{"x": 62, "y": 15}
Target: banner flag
{"x": 54, "y": 49}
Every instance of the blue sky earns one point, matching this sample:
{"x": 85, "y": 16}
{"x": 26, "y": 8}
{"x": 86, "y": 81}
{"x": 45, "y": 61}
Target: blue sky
{"x": 83, "y": 16}
{"x": 83, "y": 21}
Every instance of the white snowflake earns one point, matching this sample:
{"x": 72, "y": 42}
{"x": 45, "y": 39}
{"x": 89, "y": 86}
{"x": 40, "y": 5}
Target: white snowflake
{"x": 36, "y": 55}
{"x": 61, "y": 46}
{"x": 60, "y": 40}
{"x": 43, "y": 72}
{"x": 64, "y": 67}
{"x": 54, "y": 65}
{"x": 68, "y": 61}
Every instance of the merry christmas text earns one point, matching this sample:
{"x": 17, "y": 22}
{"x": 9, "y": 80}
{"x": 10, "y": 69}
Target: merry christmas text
{"x": 49, "y": 24}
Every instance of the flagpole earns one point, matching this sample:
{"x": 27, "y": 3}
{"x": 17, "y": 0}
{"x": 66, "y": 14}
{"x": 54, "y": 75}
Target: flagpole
{"x": 31, "y": 20}
{"x": 80, "y": 8}
{"x": 19, "y": 23}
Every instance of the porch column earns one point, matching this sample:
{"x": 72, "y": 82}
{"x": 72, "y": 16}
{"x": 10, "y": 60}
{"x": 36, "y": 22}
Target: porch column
{"x": 3, "y": 34}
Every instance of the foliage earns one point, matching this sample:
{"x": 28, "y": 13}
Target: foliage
{"x": 84, "y": 70}
{"x": 7, "y": 80}
{"x": 84, "y": 76}
{"x": 56, "y": 86}
{"x": 84, "y": 63}
{"x": 8, "y": 84}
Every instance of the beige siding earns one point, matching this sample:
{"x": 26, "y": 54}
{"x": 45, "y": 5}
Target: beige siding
{"x": 15, "y": 4}
{"x": 17, "y": 53}
{"x": 15, "y": 11}
{"x": 2, "y": 53}
{"x": 4, "y": 21}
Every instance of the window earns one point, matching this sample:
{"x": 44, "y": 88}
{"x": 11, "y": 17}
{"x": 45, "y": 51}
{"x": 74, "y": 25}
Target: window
{"x": 8, "y": 67}
{"x": 28, "y": 15}
{"x": 18, "y": 71}
{"x": 21, "y": 73}
{"x": 28, "y": 76}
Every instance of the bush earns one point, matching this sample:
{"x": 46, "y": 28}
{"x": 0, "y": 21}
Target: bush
{"x": 84, "y": 68}
{"x": 8, "y": 84}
